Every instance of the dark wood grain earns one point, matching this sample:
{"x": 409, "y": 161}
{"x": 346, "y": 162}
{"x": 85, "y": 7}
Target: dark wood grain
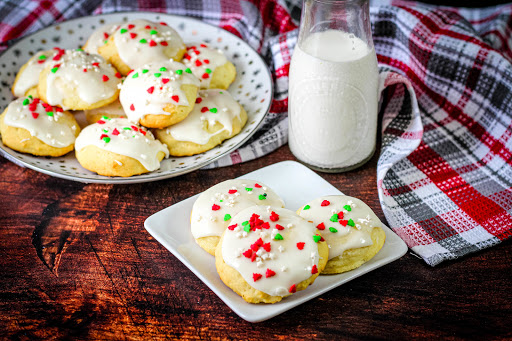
{"x": 77, "y": 263}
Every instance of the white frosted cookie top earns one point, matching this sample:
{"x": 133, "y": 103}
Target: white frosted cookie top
{"x": 120, "y": 136}
{"x": 29, "y": 77}
{"x": 345, "y": 222}
{"x": 203, "y": 60}
{"x": 212, "y": 106}
{"x": 91, "y": 76}
{"x": 100, "y": 36}
{"x": 272, "y": 248}
{"x": 41, "y": 120}
{"x": 142, "y": 41}
{"x": 150, "y": 88}
{"x": 214, "y": 208}
{"x": 115, "y": 108}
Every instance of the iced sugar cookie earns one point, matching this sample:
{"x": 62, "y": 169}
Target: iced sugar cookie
{"x": 141, "y": 42}
{"x": 117, "y": 147}
{"x": 210, "y": 65}
{"x": 268, "y": 253}
{"x": 28, "y": 76}
{"x": 78, "y": 80}
{"x": 215, "y": 117}
{"x": 351, "y": 229}
{"x": 29, "y": 125}
{"x": 214, "y": 208}
{"x": 100, "y": 37}
{"x": 112, "y": 110}
{"x": 159, "y": 94}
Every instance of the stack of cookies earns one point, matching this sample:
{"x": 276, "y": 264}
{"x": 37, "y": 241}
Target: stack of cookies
{"x": 146, "y": 95}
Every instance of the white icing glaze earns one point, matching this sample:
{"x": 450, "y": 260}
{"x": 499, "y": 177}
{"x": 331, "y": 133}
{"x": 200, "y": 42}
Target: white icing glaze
{"x": 94, "y": 79}
{"x": 29, "y": 77}
{"x": 212, "y": 106}
{"x": 100, "y": 36}
{"x": 207, "y": 222}
{"x": 292, "y": 264}
{"x": 45, "y": 124}
{"x": 136, "y": 45}
{"x": 114, "y": 108}
{"x": 113, "y": 135}
{"x": 150, "y": 88}
{"x": 203, "y": 60}
{"x": 343, "y": 237}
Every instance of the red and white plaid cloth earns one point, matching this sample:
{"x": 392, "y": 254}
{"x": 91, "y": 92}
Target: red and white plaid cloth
{"x": 445, "y": 169}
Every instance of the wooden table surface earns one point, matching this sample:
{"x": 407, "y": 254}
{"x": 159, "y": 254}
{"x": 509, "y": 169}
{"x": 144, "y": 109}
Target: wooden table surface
{"x": 77, "y": 263}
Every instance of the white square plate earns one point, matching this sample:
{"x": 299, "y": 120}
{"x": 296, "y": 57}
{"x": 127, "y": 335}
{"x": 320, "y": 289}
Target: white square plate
{"x": 297, "y": 185}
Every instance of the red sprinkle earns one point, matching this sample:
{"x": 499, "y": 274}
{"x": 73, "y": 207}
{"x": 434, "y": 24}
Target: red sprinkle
{"x": 325, "y": 203}
{"x": 232, "y": 191}
{"x": 206, "y": 61}
{"x": 199, "y": 100}
{"x": 118, "y": 75}
{"x": 115, "y": 132}
{"x": 198, "y": 62}
{"x": 344, "y": 222}
{"x": 266, "y": 247}
{"x": 265, "y": 225}
{"x": 36, "y": 100}
{"x": 85, "y": 70}
{"x": 205, "y": 76}
{"x": 105, "y": 35}
{"x": 57, "y": 109}
{"x": 187, "y": 56}
{"x": 41, "y": 61}
{"x": 142, "y": 132}
{"x": 103, "y": 135}
{"x": 257, "y": 185}
{"x": 215, "y": 207}
{"x": 147, "y": 27}
{"x": 101, "y": 122}
{"x": 152, "y": 43}
{"x": 35, "y": 115}
{"x": 57, "y": 57}
{"x": 254, "y": 247}
{"x": 293, "y": 289}
{"x": 232, "y": 227}
{"x": 132, "y": 107}
{"x": 162, "y": 23}
{"x": 151, "y": 89}
{"x": 279, "y": 227}
{"x": 32, "y": 106}
{"x": 253, "y": 257}
{"x": 320, "y": 226}
{"x": 204, "y": 109}
{"x": 165, "y": 80}
{"x": 269, "y": 273}
{"x": 203, "y": 45}
{"x": 105, "y": 78}
{"x": 340, "y": 215}
{"x": 259, "y": 242}
{"x": 274, "y": 216}
{"x": 314, "y": 270}
{"x": 96, "y": 64}
{"x": 135, "y": 128}
{"x": 163, "y": 43}
{"x": 130, "y": 26}
{"x": 176, "y": 98}
{"x": 300, "y": 245}
{"x": 248, "y": 253}
{"x": 256, "y": 276}
{"x": 133, "y": 35}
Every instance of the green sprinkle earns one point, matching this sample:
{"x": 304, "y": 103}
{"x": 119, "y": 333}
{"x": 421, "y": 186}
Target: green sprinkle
{"x": 213, "y": 110}
{"x": 163, "y": 69}
{"x": 278, "y": 237}
{"x": 333, "y": 230}
{"x": 153, "y": 32}
{"x": 307, "y": 207}
{"x": 105, "y": 41}
{"x": 26, "y": 101}
{"x": 105, "y": 130}
{"x": 105, "y": 118}
{"x": 208, "y": 70}
{"x": 30, "y": 96}
{"x": 317, "y": 238}
{"x": 347, "y": 207}
{"x": 123, "y": 30}
{"x": 221, "y": 200}
{"x": 79, "y": 50}
{"x": 143, "y": 41}
{"x": 49, "y": 113}
{"x": 41, "y": 57}
{"x": 179, "y": 72}
{"x": 247, "y": 228}
{"x": 135, "y": 75}
{"x": 158, "y": 74}
{"x": 187, "y": 70}
{"x": 127, "y": 128}
{"x": 54, "y": 69}
{"x": 245, "y": 223}
{"x": 248, "y": 189}
{"x": 220, "y": 92}
{"x": 145, "y": 70}
{"x": 106, "y": 139}
{"x": 262, "y": 197}
{"x": 227, "y": 217}
{"x": 334, "y": 218}
{"x": 351, "y": 223}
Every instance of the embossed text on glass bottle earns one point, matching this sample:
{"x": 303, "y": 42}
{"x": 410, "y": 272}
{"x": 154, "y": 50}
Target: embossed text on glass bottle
{"x": 333, "y": 92}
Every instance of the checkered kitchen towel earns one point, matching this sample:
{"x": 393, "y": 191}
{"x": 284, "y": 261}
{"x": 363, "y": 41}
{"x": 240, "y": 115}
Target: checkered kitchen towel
{"x": 444, "y": 173}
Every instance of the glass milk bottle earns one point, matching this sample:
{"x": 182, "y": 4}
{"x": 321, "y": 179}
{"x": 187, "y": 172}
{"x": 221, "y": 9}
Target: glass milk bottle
{"x": 333, "y": 91}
